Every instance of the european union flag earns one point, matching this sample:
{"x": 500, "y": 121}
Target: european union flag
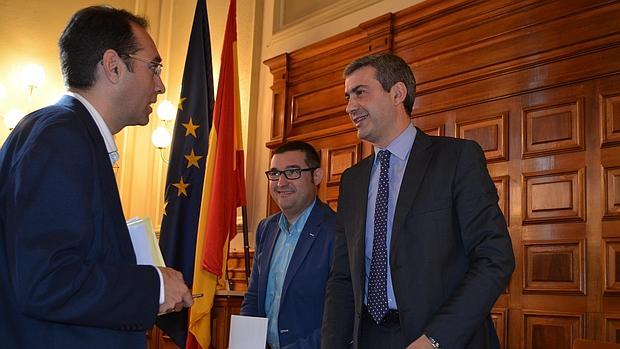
{"x": 186, "y": 169}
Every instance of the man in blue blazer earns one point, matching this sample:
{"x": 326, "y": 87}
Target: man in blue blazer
{"x": 293, "y": 252}
{"x": 68, "y": 273}
{"x": 422, "y": 251}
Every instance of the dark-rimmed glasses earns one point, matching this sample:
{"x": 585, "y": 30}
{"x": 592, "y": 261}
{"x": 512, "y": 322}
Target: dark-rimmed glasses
{"x": 289, "y": 173}
{"x": 153, "y": 66}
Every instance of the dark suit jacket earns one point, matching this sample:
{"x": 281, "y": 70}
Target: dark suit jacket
{"x": 303, "y": 292}
{"x": 450, "y": 252}
{"x": 68, "y": 273}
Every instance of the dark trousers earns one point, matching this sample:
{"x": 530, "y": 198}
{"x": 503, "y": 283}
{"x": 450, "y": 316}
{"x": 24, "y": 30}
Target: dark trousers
{"x": 386, "y": 335}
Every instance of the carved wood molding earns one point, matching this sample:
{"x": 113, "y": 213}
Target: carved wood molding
{"x": 554, "y": 266}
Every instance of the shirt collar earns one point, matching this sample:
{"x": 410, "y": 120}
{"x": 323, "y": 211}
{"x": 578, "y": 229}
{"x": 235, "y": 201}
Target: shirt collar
{"x": 299, "y": 223}
{"x": 108, "y": 139}
{"x": 401, "y": 145}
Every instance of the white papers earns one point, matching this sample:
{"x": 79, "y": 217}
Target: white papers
{"x": 247, "y": 332}
{"x": 144, "y": 243}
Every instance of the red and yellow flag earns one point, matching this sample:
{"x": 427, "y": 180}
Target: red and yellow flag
{"x": 224, "y": 189}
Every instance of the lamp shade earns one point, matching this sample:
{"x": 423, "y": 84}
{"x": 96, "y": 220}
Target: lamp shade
{"x": 12, "y": 117}
{"x": 166, "y": 111}
{"x": 33, "y": 75}
{"x": 161, "y": 138}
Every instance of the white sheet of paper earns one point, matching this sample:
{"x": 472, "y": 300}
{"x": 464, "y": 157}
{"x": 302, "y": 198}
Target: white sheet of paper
{"x": 144, "y": 242}
{"x": 247, "y": 332}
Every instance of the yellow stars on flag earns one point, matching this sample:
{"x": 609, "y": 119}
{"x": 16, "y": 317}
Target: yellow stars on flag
{"x": 181, "y": 186}
{"x": 192, "y": 159}
{"x": 180, "y": 105}
{"x": 190, "y": 128}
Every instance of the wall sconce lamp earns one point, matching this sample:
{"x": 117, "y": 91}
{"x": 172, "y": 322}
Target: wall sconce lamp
{"x": 161, "y": 137}
{"x": 12, "y": 117}
{"x": 33, "y": 76}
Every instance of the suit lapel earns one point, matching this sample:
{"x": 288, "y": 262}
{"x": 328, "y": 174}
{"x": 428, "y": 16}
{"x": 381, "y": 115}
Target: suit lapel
{"x": 357, "y": 215}
{"x": 306, "y": 239}
{"x": 113, "y": 210}
{"x": 271, "y": 235}
{"x": 419, "y": 159}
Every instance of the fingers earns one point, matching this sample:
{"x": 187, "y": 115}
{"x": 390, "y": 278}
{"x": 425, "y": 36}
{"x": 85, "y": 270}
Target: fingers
{"x": 188, "y": 300}
{"x": 176, "y": 294}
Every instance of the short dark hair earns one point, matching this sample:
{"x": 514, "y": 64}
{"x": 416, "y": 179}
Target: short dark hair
{"x": 312, "y": 156}
{"x": 390, "y": 70}
{"x": 90, "y": 32}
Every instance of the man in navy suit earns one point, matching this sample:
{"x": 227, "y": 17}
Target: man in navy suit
{"x": 293, "y": 252}
{"x": 422, "y": 249}
{"x": 68, "y": 273}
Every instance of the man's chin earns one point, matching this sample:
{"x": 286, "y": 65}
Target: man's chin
{"x": 143, "y": 121}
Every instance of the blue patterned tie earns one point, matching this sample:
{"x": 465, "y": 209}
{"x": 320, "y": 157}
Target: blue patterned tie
{"x": 377, "y": 283}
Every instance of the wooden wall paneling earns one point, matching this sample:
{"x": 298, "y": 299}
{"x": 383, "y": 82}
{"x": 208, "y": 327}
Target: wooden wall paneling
{"x": 552, "y": 129}
{"x": 434, "y": 124}
{"x": 490, "y": 132}
{"x": 612, "y": 328}
{"x": 535, "y": 82}
{"x": 544, "y": 330}
{"x": 278, "y": 66}
{"x": 554, "y": 196}
{"x": 335, "y": 162}
{"x": 611, "y": 267}
{"x": 225, "y": 304}
{"x": 316, "y": 87}
{"x": 610, "y": 119}
{"x": 379, "y": 32}
{"x": 309, "y": 105}
{"x": 500, "y": 320}
{"x": 611, "y": 192}
{"x": 502, "y": 184}
{"x": 554, "y": 266}
{"x": 517, "y": 63}
{"x": 435, "y": 131}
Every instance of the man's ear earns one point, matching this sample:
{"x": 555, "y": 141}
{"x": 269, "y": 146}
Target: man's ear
{"x": 399, "y": 92}
{"x": 317, "y": 176}
{"x": 112, "y": 65}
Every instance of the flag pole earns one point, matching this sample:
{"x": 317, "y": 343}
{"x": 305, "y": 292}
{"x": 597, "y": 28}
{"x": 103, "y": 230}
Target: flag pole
{"x": 246, "y": 244}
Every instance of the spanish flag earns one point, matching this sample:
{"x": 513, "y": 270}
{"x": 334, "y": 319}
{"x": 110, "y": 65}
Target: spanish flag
{"x": 223, "y": 191}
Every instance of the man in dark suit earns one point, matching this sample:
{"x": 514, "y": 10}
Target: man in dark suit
{"x": 68, "y": 273}
{"x": 422, "y": 250}
{"x": 293, "y": 252}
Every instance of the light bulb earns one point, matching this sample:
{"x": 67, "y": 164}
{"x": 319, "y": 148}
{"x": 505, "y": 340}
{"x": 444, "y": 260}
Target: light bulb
{"x": 12, "y": 117}
{"x": 33, "y": 75}
{"x": 166, "y": 111}
{"x": 161, "y": 138}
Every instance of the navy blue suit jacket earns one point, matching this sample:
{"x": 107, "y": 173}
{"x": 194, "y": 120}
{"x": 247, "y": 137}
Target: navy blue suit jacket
{"x": 450, "y": 254}
{"x": 68, "y": 273}
{"x": 303, "y": 292}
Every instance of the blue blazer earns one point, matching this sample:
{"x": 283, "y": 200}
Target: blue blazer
{"x": 303, "y": 292}
{"x": 68, "y": 273}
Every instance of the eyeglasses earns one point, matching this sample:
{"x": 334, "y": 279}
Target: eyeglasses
{"x": 289, "y": 173}
{"x": 154, "y": 66}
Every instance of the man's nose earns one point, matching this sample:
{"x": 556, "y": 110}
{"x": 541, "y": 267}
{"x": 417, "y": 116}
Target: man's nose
{"x": 160, "y": 88}
{"x": 282, "y": 179}
{"x": 351, "y": 106}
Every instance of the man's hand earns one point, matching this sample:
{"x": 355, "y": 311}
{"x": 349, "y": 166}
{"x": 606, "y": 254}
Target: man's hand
{"x": 421, "y": 343}
{"x": 177, "y": 295}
